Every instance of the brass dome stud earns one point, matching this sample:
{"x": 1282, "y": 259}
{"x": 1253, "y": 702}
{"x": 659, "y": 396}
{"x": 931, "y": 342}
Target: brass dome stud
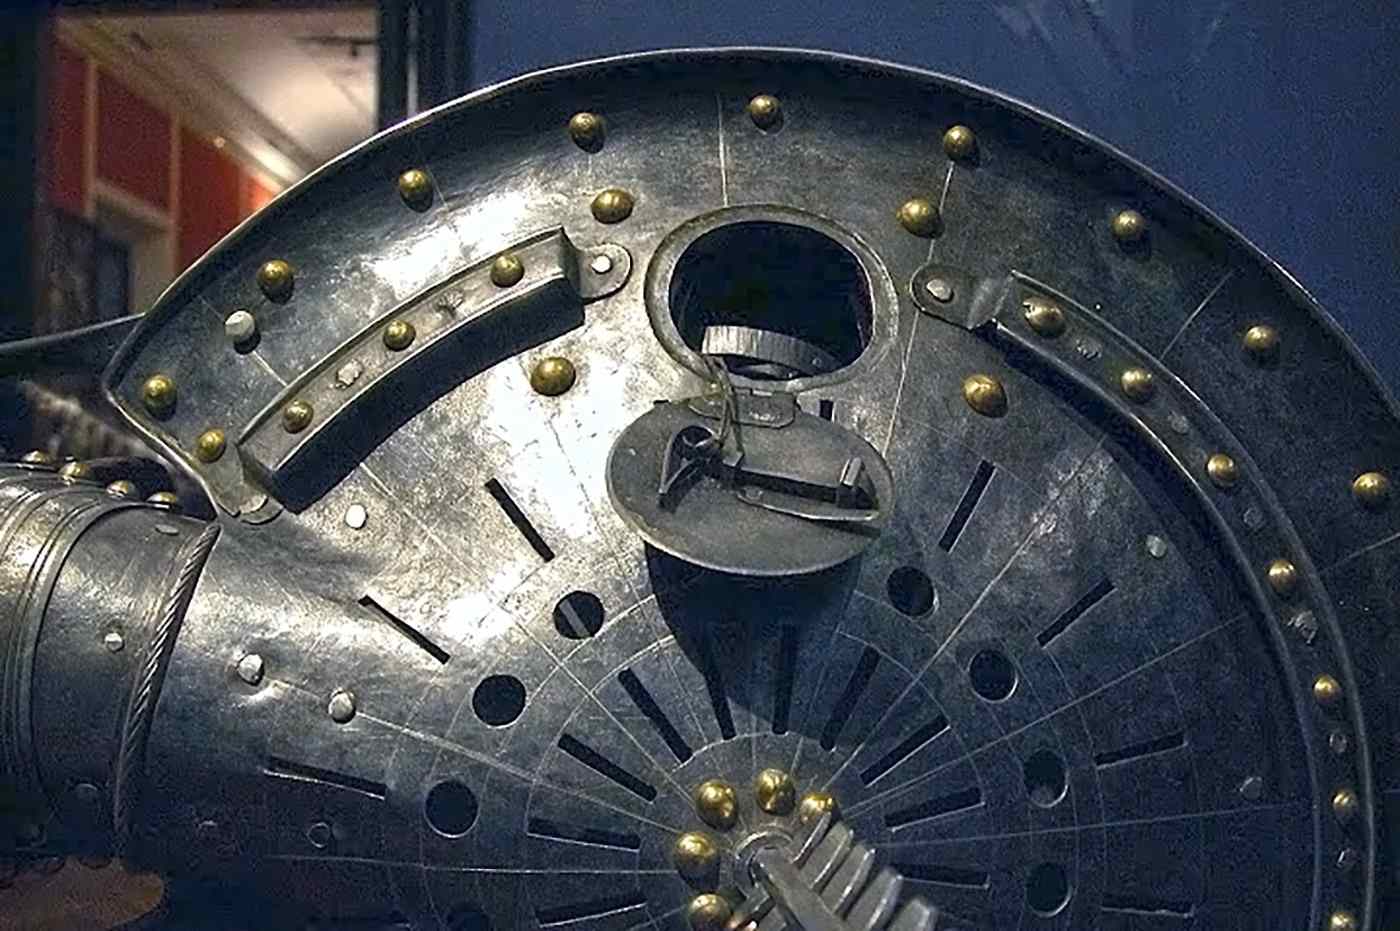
{"x": 708, "y": 912}
{"x": 775, "y": 792}
{"x": 37, "y": 457}
{"x": 296, "y": 416}
{"x": 122, "y": 488}
{"x": 1129, "y": 226}
{"x": 717, "y": 804}
{"x": 399, "y": 335}
{"x": 985, "y": 395}
{"x": 765, "y": 110}
{"x": 507, "y": 271}
{"x": 158, "y": 394}
{"x": 210, "y": 445}
{"x": 612, "y": 206}
{"x": 75, "y": 471}
{"x": 1222, "y": 471}
{"x": 1046, "y": 318}
{"x": 1345, "y": 805}
{"x": 416, "y": 188}
{"x": 1261, "y": 342}
{"x": 1341, "y": 920}
{"x": 919, "y": 216}
{"x": 1372, "y": 490}
{"x": 587, "y": 130}
{"x": 1138, "y": 385}
{"x": 1283, "y": 577}
{"x": 276, "y": 280}
{"x": 1327, "y": 691}
{"x": 814, "y": 805}
{"x": 696, "y": 856}
{"x": 959, "y": 143}
{"x": 552, "y": 376}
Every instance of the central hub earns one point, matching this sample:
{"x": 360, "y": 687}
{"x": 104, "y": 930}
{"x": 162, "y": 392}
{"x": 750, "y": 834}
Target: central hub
{"x": 748, "y": 848}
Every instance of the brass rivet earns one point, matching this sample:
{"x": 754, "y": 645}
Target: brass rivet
{"x": 985, "y": 395}
{"x": 717, "y": 804}
{"x": 122, "y": 488}
{"x": 76, "y": 471}
{"x": 341, "y": 707}
{"x": 708, "y": 912}
{"x": 1341, "y": 921}
{"x": 1129, "y": 226}
{"x": 586, "y": 129}
{"x": 1344, "y": 805}
{"x": 37, "y": 457}
{"x": 164, "y": 499}
{"x": 1222, "y": 470}
{"x": 1046, "y": 318}
{"x": 814, "y": 805}
{"x": 919, "y": 216}
{"x": 276, "y": 280}
{"x": 507, "y": 270}
{"x": 1283, "y": 578}
{"x": 765, "y": 111}
{"x": 612, "y": 206}
{"x": 210, "y": 446}
{"x": 1261, "y": 342}
{"x": 1327, "y": 691}
{"x": 552, "y": 376}
{"x": 695, "y": 856}
{"x": 399, "y": 334}
{"x": 415, "y": 187}
{"x": 296, "y": 416}
{"x": 1138, "y": 385}
{"x": 959, "y": 142}
{"x": 158, "y": 394}
{"x": 1372, "y": 489}
{"x": 775, "y": 792}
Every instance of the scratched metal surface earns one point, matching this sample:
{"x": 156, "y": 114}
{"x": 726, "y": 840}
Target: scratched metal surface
{"x": 1052, "y": 692}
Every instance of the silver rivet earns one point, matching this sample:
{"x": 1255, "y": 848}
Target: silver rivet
{"x": 1348, "y": 858}
{"x": 940, "y": 289}
{"x": 1252, "y": 788}
{"x": 1253, "y": 518}
{"x": 601, "y": 264}
{"x": 348, "y": 374}
{"x": 1337, "y": 742}
{"x": 86, "y": 793}
{"x": 1156, "y": 546}
{"x": 318, "y": 834}
{"x": 250, "y": 668}
{"x": 342, "y": 706}
{"x": 355, "y": 516}
{"x": 1178, "y": 423}
{"x": 1088, "y": 348}
{"x": 113, "y": 641}
{"x": 240, "y": 327}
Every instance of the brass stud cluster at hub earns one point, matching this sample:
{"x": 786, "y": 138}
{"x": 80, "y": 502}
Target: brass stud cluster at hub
{"x": 696, "y": 856}
{"x": 959, "y": 143}
{"x": 814, "y": 805}
{"x": 775, "y": 792}
{"x": 919, "y": 216}
{"x": 1283, "y": 578}
{"x": 276, "y": 280}
{"x": 1045, "y": 317}
{"x": 296, "y": 416}
{"x": 398, "y": 335}
{"x": 1372, "y": 490}
{"x": 1138, "y": 385}
{"x": 717, "y": 804}
{"x": 765, "y": 111}
{"x": 210, "y": 446}
{"x": 1327, "y": 691}
{"x": 1345, "y": 805}
{"x": 1261, "y": 343}
{"x": 552, "y": 376}
{"x": 416, "y": 188}
{"x": 75, "y": 471}
{"x": 1129, "y": 226}
{"x": 507, "y": 271}
{"x": 612, "y": 206}
{"x": 985, "y": 395}
{"x": 158, "y": 395}
{"x": 1222, "y": 471}
{"x": 709, "y": 912}
{"x": 587, "y": 130}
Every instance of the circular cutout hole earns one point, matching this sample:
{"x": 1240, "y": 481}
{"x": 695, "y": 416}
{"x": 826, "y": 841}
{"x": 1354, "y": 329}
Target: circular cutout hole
{"x": 498, "y": 700}
{"x": 775, "y": 300}
{"x": 1045, "y": 778}
{"x": 993, "y": 676}
{"x": 466, "y": 917}
{"x": 1047, "y": 889}
{"x": 910, "y": 591}
{"x": 451, "y": 808}
{"x": 578, "y": 615}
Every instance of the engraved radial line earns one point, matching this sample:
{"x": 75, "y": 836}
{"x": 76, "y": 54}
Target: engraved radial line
{"x": 809, "y": 706}
{"x": 1199, "y": 307}
{"x": 903, "y": 377}
{"x": 943, "y": 198}
{"x": 723, "y": 171}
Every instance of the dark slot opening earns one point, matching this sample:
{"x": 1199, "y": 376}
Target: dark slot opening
{"x": 1147, "y": 905}
{"x": 906, "y": 748}
{"x": 648, "y": 706}
{"x": 934, "y": 808}
{"x": 846, "y": 704}
{"x": 518, "y": 518}
{"x": 782, "y": 682}
{"x": 1090, "y": 598}
{"x": 606, "y": 767}
{"x": 1146, "y": 748}
{"x": 407, "y": 629}
{"x": 943, "y": 875}
{"x": 963, "y": 512}
{"x": 714, "y": 684}
{"x": 579, "y": 834}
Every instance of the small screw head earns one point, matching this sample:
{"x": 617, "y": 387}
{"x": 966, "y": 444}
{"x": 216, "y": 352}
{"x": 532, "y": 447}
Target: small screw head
{"x": 1252, "y": 788}
{"x": 940, "y": 289}
{"x": 1129, "y": 226}
{"x": 276, "y": 280}
{"x": 75, "y": 471}
{"x": 1283, "y": 577}
{"x": 158, "y": 394}
{"x": 601, "y": 264}
{"x": 240, "y": 327}
{"x": 985, "y": 395}
{"x": 1327, "y": 691}
{"x": 507, "y": 271}
{"x": 251, "y": 668}
{"x": 356, "y": 516}
{"x": 552, "y": 376}
{"x": 1261, "y": 342}
{"x": 113, "y": 641}
{"x": 814, "y": 805}
{"x": 919, "y": 216}
{"x": 296, "y": 416}
{"x": 612, "y": 206}
{"x": 717, "y": 804}
{"x": 416, "y": 188}
{"x": 765, "y": 111}
{"x": 775, "y": 792}
{"x": 1372, "y": 490}
{"x": 1156, "y": 546}
{"x": 959, "y": 143}
{"x": 210, "y": 446}
{"x": 709, "y": 912}
{"x": 695, "y": 855}
{"x": 1043, "y": 316}
{"x": 399, "y": 334}
{"x": 1338, "y": 743}
{"x": 1138, "y": 385}
{"x": 1222, "y": 471}
{"x": 341, "y": 706}
{"x": 122, "y": 488}
{"x": 587, "y": 130}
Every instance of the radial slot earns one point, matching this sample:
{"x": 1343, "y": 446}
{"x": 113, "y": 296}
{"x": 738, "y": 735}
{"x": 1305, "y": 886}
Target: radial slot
{"x": 963, "y": 512}
{"x": 287, "y": 769}
{"x": 905, "y": 749}
{"x": 845, "y": 705}
{"x": 605, "y": 767}
{"x": 648, "y": 706}
{"x": 934, "y": 808}
{"x": 943, "y": 875}
{"x": 407, "y": 629}
{"x": 826, "y": 409}
{"x": 1090, "y": 598}
{"x": 783, "y": 679}
{"x": 1146, "y": 748}
{"x": 579, "y": 834}
{"x": 714, "y": 684}
{"x": 590, "y": 908}
{"x": 1147, "y": 905}
{"x": 518, "y": 518}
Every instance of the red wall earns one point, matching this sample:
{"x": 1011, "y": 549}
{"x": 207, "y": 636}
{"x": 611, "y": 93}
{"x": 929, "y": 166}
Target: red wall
{"x": 133, "y": 142}
{"x": 211, "y": 201}
{"x": 67, "y": 181}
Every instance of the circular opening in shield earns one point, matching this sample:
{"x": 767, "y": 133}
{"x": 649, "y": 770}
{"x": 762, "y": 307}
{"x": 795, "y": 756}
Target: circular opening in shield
{"x": 775, "y": 301}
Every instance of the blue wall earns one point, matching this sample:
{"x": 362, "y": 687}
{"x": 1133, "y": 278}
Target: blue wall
{"x": 1283, "y": 116}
